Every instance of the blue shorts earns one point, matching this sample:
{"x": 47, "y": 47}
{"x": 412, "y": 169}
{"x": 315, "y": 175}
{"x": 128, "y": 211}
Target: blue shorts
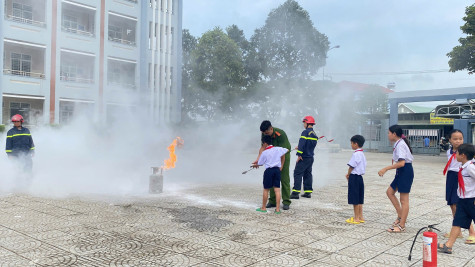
{"x": 451, "y": 186}
{"x": 271, "y": 178}
{"x": 402, "y": 183}
{"x": 355, "y": 189}
{"x": 465, "y": 213}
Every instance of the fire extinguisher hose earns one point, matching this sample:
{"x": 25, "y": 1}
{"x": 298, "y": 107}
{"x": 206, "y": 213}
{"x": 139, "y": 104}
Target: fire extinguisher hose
{"x": 430, "y": 227}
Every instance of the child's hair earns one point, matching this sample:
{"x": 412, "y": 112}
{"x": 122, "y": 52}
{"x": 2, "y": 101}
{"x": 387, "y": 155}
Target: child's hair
{"x": 468, "y": 150}
{"x": 454, "y": 131}
{"x": 398, "y": 131}
{"x": 266, "y": 139}
{"x": 265, "y": 125}
{"x": 358, "y": 139}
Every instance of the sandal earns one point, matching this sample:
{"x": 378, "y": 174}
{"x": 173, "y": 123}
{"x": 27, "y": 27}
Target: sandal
{"x": 401, "y": 229}
{"x": 350, "y": 220}
{"x": 396, "y": 222}
{"x": 444, "y": 248}
{"x": 277, "y": 212}
{"x": 470, "y": 240}
{"x": 261, "y": 210}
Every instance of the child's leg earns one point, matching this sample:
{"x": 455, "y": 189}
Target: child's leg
{"x": 391, "y": 193}
{"x": 471, "y": 231}
{"x": 404, "y": 197}
{"x": 454, "y": 233}
{"x": 277, "y": 198}
{"x": 355, "y": 213}
{"x": 265, "y": 194}
{"x": 360, "y": 212}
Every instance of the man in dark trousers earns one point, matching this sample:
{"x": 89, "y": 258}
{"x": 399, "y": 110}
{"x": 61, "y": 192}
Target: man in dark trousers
{"x": 279, "y": 138}
{"x": 20, "y": 146}
{"x": 303, "y": 168}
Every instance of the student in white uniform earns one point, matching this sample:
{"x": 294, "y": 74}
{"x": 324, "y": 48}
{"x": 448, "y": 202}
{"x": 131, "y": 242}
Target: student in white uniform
{"x": 402, "y": 183}
{"x": 356, "y": 169}
{"x": 465, "y": 212}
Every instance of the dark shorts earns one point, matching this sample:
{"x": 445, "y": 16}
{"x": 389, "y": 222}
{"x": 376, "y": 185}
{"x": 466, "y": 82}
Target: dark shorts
{"x": 465, "y": 213}
{"x": 271, "y": 178}
{"x": 402, "y": 183}
{"x": 355, "y": 190}
{"x": 451, "y": 186}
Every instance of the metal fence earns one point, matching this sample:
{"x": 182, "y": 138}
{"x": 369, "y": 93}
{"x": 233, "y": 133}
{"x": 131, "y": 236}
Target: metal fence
{"x": 422, "y": 141}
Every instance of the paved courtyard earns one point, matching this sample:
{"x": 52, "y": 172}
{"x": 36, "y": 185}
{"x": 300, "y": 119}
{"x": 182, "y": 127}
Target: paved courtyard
{"x": 216, "y": 224}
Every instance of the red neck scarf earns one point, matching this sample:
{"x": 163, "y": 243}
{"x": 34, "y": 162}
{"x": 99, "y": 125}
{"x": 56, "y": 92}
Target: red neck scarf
{"x": 269, "y": 147}
{"x": 448, "y": 163}
{"x": 358, "y": 150}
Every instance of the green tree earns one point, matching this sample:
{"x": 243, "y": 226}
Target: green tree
{"x": 188, "y": 101}
{"x": 217, "y": 68}
{"x": 462, "y": 57}
{"x": 288, "y": 45}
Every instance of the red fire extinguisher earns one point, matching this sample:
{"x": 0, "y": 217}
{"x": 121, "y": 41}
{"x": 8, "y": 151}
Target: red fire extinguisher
{"x": 429, "y": 246}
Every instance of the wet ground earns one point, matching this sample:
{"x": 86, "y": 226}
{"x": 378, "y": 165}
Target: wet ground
{"x": 216, "y": 224}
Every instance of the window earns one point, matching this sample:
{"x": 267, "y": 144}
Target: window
{"x": 25, "y": 12}
{"x": 20, "y": 108}
{"x": 66, "y": 111}
{"x": 21, "y": 64}
{"x": 115, "y": 32}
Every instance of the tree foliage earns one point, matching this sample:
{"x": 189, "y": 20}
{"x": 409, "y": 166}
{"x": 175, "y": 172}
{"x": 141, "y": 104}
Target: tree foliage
{"x": 462, "y": 57}
{"x": 288, "y": 45}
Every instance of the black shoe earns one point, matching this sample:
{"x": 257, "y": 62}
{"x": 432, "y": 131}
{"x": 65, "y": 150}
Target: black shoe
{"x": 294, "y": 195}
{"x": 270, "y": 205}
{"x": 285, "y": 206}
{"x": 307, "y": 195}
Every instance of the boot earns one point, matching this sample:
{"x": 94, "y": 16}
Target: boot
{"x": 294, "y": 195}
{"x": 307, "y": 195}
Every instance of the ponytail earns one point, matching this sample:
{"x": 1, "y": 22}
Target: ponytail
{"x": 407, "y": 142}
{"x": 398, "y": 131}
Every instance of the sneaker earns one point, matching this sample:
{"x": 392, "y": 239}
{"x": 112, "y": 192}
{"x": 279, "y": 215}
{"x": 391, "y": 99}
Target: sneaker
{"x": 307, "y": 195}
{"x": 294, "y": 195}
{"x": 285, "y": 206}
{"x": 270, "y": 205}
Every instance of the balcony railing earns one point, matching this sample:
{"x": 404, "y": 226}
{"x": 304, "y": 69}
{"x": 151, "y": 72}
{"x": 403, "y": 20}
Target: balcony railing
{"x": 76, "y": 31}
{"x": 122, "y": 41}
{"x": 123, "y": 85}
{"x": 25, "y": 21}
{"x": 75, "y": 79}
{"x": 24, "y": 73}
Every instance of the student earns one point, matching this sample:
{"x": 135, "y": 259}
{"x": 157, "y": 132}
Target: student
{"x": 465, "y": 212}
{"x": 303, "y": 167}
{"x": 402, "y": 183}
{"x": 279, "y": 138}
{"x": 451, "y": 184}
{"x": 357, "y": 167}
{"x": 19, "y": 145}
{"x": 273, "y": 159}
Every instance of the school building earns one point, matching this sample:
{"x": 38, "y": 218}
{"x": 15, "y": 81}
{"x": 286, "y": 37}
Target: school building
{"x": 62, "y": 58}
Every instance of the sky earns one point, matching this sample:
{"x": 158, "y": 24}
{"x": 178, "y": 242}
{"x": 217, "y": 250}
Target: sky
{"x": 374, "y": 36}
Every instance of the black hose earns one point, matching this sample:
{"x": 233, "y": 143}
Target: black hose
{"x": 414, "y": 241}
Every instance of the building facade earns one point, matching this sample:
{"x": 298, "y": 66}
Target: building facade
{"x": 62, "y": 58}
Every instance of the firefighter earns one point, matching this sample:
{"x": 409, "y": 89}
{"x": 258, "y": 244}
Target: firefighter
{"x": 303, "y": 167}
{"x": 20, "y": 146}
{"x": 279, "y": 138}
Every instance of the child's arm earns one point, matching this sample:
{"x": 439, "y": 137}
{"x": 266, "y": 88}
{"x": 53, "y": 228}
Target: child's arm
{"x": 350, "y": 169}
{"x": 259, "y": 155}
{"x": 282, "y": 160}
{"x": 398, "y": 165}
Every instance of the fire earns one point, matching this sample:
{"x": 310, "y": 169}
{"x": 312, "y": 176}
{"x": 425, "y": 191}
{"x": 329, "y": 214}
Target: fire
{"x": 170, "y": 162}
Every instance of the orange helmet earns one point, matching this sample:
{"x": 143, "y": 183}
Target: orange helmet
{"x": 309, "y": 119}
{"x": 17, "y": 117}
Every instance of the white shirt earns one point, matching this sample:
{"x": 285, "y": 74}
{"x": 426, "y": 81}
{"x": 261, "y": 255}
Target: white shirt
{"x": 271, "y": 157}
{"x": 468, "y": 174}
{"x": 358, "y": 162}
{"x": 401, "y": 152}
{"x": 454, "y": 165}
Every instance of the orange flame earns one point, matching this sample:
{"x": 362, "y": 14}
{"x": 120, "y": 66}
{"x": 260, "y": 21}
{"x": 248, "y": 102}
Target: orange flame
{"x": 170, "y": 162}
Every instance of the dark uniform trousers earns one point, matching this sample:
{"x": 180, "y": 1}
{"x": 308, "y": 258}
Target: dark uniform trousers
{"x": 303, "y": 169}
